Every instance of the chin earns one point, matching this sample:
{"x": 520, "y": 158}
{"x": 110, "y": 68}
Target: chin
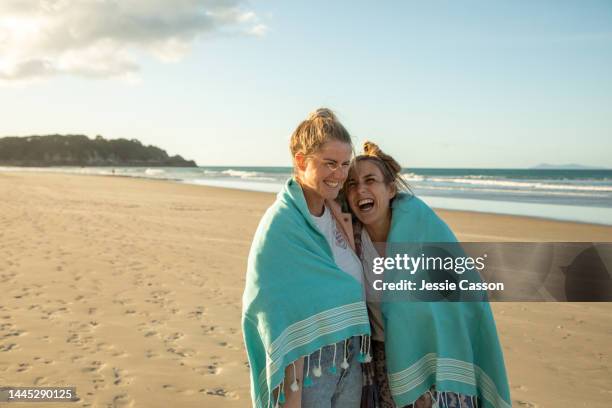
{"x": 366, "y": 219}
{"x": 328, "y": 193}
{"x": 331, "y": 196}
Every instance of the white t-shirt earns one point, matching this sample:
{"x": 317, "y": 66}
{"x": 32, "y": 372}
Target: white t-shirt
{"x": 368, "y": 253}
{"x": 344, "y": 256}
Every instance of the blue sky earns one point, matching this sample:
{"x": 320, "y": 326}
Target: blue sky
{"x": 436, "y": 84}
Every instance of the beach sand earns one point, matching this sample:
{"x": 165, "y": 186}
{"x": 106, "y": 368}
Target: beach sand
{"x": 130, "y": 290}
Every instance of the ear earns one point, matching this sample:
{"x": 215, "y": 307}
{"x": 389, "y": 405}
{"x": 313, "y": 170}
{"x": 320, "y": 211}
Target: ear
{"x": 300, "y": 161}
{"x": 393, "y": 190}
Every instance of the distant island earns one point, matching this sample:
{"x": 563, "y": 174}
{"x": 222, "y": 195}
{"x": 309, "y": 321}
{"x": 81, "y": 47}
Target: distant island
{"x": 79, "y": 150}
{"x": 572, "y": 166}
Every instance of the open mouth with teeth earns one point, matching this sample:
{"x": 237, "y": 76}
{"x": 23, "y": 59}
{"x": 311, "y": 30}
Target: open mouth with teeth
{"x": 331, "y": 184}
{"x": 365, "y": 205}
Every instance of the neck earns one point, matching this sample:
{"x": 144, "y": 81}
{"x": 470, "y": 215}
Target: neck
{"x": 314, "y": 201}
{"x": 379, "y": 230}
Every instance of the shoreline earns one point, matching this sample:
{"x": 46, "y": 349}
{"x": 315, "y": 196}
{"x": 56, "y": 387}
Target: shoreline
{"x": 595, "y": 213}
{"x": 437, "y": 209}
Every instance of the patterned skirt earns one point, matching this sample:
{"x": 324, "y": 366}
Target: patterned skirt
{"x": 444, "y": 399}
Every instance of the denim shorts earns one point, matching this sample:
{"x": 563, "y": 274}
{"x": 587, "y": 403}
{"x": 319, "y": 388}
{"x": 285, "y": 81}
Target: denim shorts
{"x": 341, "y": 389}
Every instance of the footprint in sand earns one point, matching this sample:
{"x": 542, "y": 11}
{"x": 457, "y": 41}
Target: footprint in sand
{"x": 219, "y": 392}
{"x": 6, "y": 326}
{"x": 8, "y": 347}
{"x": 98, "y": 383}
{"x": 227, "y": 345}
{"x": 122, "y": 401}
{"x": 174, "y": 336}
{"x": 210, "y": 369}
{"x": 94, "y": 366}
{"x": 120, "y": 377}
{"x": 40, "y": 380}
{"x": 525, "y": 404}
{"x": 198, "y": 313}
{"x": 102, "y": 346}
{"x": 182, "y": 352}
{"x": 13, "y": 333}
{"x": 74, "y": 358}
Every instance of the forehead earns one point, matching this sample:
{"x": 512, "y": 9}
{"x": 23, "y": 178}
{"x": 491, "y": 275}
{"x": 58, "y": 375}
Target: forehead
{"x": 364, "y": 168}
{"x": 335, "y": 149}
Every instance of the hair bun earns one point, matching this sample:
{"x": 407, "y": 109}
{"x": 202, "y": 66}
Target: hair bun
{"x": 322, "y": 113}
{"x": 371, "y": 149}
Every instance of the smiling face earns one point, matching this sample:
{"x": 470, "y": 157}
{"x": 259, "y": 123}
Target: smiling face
{"x": 368, "y": 194}
{"x": 323, "y": 173}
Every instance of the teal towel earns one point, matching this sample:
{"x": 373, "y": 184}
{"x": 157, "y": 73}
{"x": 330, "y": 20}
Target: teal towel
{"x": 452, "y": 345}
{"x": 296, "y": 299}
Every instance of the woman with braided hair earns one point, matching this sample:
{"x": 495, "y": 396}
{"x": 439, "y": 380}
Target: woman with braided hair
{"x": 426, "y": 354}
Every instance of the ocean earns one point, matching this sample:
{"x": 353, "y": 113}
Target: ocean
{"x": 570, "y": 195}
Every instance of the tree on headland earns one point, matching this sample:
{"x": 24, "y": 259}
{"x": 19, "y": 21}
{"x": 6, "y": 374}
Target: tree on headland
{"x": 79, "y": 150}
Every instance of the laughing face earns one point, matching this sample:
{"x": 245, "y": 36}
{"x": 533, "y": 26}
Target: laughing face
{"x": 368, "y": 194}
{"x": 322, "y": 174}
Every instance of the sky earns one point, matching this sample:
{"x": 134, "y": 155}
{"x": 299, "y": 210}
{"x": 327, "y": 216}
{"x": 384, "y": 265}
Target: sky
{"x": 497, "y": 84}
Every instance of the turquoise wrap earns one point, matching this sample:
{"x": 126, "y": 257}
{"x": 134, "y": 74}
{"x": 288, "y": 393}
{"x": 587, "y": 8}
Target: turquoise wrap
{"x": 296, "y": 299}
{"x": 453, "y": 345}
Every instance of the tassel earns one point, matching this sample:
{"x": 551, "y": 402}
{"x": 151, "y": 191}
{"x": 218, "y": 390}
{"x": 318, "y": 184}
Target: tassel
{"x": 317, "y": 370}
{"x": 294, "y": 385}
{"x": 307, "y": 379}
{"x": 362, "y": 354}
{"x": 281, "y": 394}
{"x": 281, "y": 397}
{"x": 332, "y": 369}
{"x": 345, "y": 364}
{"x": 434, "y": 401}
{"x": 368, "y": 356}
{"x": 307, "y": 382}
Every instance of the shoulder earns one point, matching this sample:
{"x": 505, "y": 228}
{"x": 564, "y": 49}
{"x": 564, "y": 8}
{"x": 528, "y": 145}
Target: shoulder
{"x": 410, "y": 203}
{"x": 414, "y": 219}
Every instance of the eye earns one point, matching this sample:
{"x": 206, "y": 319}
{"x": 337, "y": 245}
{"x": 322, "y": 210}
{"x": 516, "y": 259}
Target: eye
{"x": 370, "y": 180}
{"x": 330, "y": 164}
{"x": 351, "y": 184}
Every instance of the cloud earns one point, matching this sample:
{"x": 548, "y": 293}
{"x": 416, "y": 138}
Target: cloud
{"x": 102, "y": 38}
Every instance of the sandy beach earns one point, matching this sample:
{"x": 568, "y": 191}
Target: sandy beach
{"x": 130, "y": 290}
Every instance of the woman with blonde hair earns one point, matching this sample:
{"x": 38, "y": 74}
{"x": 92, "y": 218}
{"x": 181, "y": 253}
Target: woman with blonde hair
{"x": 303, "y": 305}
{"x": 428, "y": 351}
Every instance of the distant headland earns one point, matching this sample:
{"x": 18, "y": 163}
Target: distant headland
{"x": 79, "y": 150}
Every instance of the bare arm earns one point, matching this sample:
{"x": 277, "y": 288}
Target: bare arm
{"x": 293, "y": 399}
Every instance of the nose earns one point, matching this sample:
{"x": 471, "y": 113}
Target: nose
{"x": 361, "y": 187}
{"x": 340, "y": 173}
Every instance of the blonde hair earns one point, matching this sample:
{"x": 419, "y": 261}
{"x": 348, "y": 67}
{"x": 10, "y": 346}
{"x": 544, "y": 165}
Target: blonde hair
{"x": 388, "y": 166}
{"x": 320, "y": 127}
